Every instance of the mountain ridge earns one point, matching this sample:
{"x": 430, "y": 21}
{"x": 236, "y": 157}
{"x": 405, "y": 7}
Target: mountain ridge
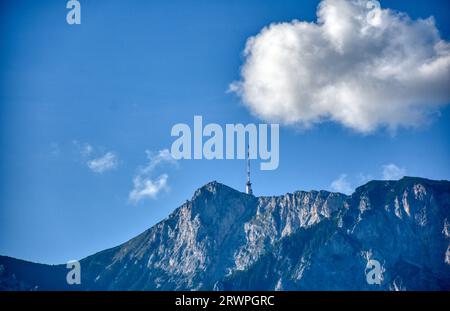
{"x": 226, "y": 239}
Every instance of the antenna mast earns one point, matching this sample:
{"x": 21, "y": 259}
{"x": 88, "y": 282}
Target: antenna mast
{"x": 248, "y": 185}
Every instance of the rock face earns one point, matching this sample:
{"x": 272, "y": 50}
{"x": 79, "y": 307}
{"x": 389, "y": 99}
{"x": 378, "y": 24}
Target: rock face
{"x": 223, "y": 239}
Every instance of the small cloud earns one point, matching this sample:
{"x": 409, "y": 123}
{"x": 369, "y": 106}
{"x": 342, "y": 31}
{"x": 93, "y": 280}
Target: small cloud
{"x": 96, "y": 161}
{"x": 163, "y": 156}
{"x": 393, "y": 172}
{"x": 146, "y": 186}
{"x": 86, "y": 150}
{"x": 363, "y": 178}
{"x": 342, "y": 185}
{"x": 104, "y": 163}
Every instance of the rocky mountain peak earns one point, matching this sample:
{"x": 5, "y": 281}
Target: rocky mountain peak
{"x": 226, "y": 239}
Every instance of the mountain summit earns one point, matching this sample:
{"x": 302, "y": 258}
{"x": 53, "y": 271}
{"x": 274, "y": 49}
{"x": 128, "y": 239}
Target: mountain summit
{"x": 223, "y": 239}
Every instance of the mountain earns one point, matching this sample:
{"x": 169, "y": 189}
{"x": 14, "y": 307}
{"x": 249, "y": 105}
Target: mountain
{"x": 223, "y": 239}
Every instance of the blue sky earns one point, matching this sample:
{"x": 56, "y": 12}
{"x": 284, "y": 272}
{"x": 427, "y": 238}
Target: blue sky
{"x": 119, "y": 82}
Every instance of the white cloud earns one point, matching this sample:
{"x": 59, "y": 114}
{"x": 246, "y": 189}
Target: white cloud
{"x": 389, "y": 172}
{"x": 341, "y": 184}
{"x": 96, "y": 161}
{"x": 360, "y": 66}
{"x": 147, "y": 188}
{"x": 144, "y": 185}
{"x": 86, "y": 150}
{"x": 393, "y": 172}
{"x": 104, "y": 163}
{"x": 163, "y": 156}
{"x": 364, "y": 178}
